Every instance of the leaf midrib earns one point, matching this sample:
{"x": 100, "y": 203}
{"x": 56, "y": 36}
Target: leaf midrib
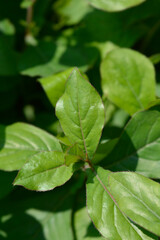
{"x": 50, "y": 169}
{"x": 105, "y": 189}
{"x": 79, "y": 116}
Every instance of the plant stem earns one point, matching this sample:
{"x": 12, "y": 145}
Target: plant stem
{"x": 29, "y": 16}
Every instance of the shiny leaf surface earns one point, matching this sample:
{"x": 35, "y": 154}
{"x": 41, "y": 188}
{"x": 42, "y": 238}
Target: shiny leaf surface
{"x": 20, "y": 141}
{"x": 44, "y": 171}
{"x": 104, "y": 210}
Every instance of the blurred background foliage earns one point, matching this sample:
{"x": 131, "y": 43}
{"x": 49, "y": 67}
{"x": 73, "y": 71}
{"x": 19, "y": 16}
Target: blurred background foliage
{"x": 38, "y": 39}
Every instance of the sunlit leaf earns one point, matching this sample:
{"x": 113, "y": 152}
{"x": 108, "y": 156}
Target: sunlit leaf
{"x": 105, "y": 212}
{"x": 20, "y": 141}
{"x": 81, "y": 113}
{"x": 130, "y": 83}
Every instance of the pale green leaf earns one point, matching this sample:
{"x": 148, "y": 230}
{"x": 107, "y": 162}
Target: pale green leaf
{"x": 114, "y": 5}
{"x": 105, "y": 212}
{"x": 7, "y": 27}
{"x": 44, "y": 171}
{"x": 138, "y": 148}
{"x": 20, "y": 141}
{"x": 81, "y": 113}
{"x": 138, "y": 197}
{"x": 128, "y": 79}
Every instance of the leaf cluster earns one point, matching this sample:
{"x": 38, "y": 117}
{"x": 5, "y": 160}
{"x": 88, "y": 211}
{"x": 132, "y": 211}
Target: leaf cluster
{"x": 79, "y": 91}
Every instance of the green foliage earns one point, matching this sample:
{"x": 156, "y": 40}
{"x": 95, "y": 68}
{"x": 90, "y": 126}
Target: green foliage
{"x": 105, "y": 212}
{"x": 44, "y": 171}
{"x": 80, "y": 107}
{"x": 133, "y": 78}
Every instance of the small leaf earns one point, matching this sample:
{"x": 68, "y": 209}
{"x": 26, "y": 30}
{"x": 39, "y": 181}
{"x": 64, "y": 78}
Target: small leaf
{"x": 81, "y": 113}
{"x": 138, "y": 148}
{"x": 138, "y": 197}
{"x": 26, "y": 3}
{"x": 105, "y": 212}
{"x": 44, "y": 171}
{"x": 20, "y": 141}
{"x": 155, "y": 59}
{"x": 7, "y": 27}
{"x": 116, "y": 5}
{"x": 128, "y": 79}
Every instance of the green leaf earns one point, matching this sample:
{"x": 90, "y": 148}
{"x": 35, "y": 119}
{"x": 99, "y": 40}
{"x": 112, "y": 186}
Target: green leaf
{"x": 20, "y": 141}
{"x": 44, "y": 171}
{"x": 128, "y": 79}
{"x": 26, "y": 3}
{"x": 138, "y": 148}
{"x": 7, "y": 27}
{"x": 138, "y": 197}
{"x": 81, "y": 113}
{"x": 104, "y": 210}
{"x": 116, "y": 5}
